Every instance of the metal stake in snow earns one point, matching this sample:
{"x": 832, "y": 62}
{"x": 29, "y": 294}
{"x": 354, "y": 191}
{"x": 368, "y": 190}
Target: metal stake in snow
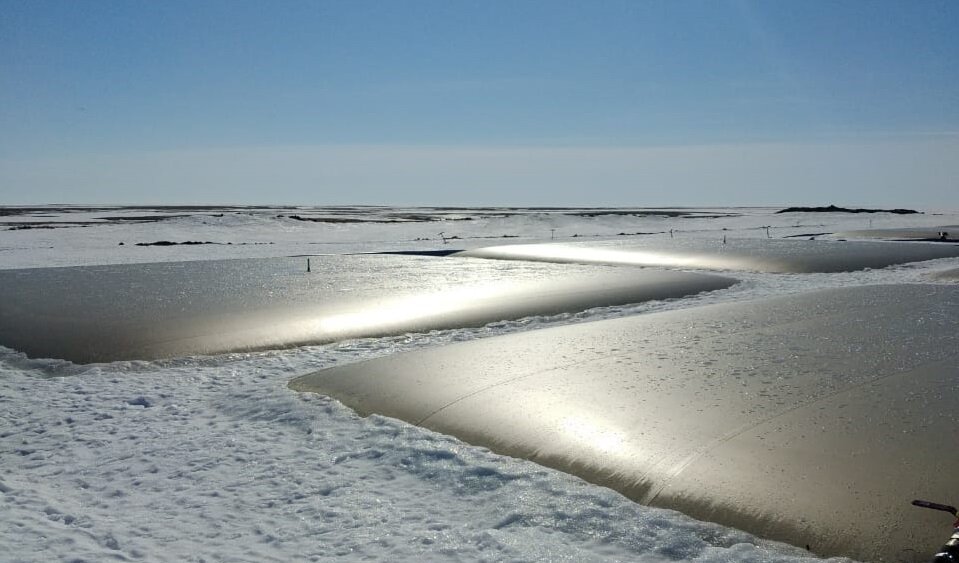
{"x": 767, "y": 232}
{"x": 307, "y": 264}
{"x": 670, "y": 233}
{"x": 443, "y": 236}
{"x": 552, "y": 234}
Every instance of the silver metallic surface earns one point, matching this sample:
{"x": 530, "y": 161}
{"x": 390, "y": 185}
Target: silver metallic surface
{"x": 757, "y": 255}
{"x": 813, "y": 419}
{"x": 148, "y": 311}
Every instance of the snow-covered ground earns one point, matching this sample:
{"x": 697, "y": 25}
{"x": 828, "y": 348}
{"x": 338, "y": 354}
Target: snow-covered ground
{"x": 215, "y": 459}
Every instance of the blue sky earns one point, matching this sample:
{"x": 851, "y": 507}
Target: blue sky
{"x": 716, "y": 102}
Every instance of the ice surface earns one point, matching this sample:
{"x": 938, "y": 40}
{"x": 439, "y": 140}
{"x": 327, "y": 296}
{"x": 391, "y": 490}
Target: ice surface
{"x": 227, "y": 464}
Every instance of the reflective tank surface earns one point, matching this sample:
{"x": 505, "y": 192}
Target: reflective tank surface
{"x": 147, "y": 311}
{"x": 813, "y": 419}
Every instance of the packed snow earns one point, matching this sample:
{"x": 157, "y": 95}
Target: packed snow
{"x": 215, "y": 459}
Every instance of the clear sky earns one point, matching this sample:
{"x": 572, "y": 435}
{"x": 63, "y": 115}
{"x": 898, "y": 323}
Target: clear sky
{"x": 593, "y": 102}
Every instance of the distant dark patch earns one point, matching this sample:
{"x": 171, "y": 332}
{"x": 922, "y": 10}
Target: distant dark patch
{"x": 336, "y": 219}
{"x": 171, "y": 243}
{"x": 384, "y": 218}
{"x": 183, "y": 208}
{"x": 320, "y": 219}
{"x": 195, "y": 242}
{"x": 144, "y": 218}
{"x": 834, "y": 209}
{"x": 24, "y": 227}
{"x": 807, "y": 235}
{"x": 47, "y": 225}
{"x": 412, "y": 217}
{"x": 19, "y": 226}
{"x": 47, "y": 209}
{"x": 420, "y": 252}
{"x": 648, "y": 213}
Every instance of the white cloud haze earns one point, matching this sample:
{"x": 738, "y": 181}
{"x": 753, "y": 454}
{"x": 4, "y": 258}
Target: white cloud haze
{"x": 922, "y": 171}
